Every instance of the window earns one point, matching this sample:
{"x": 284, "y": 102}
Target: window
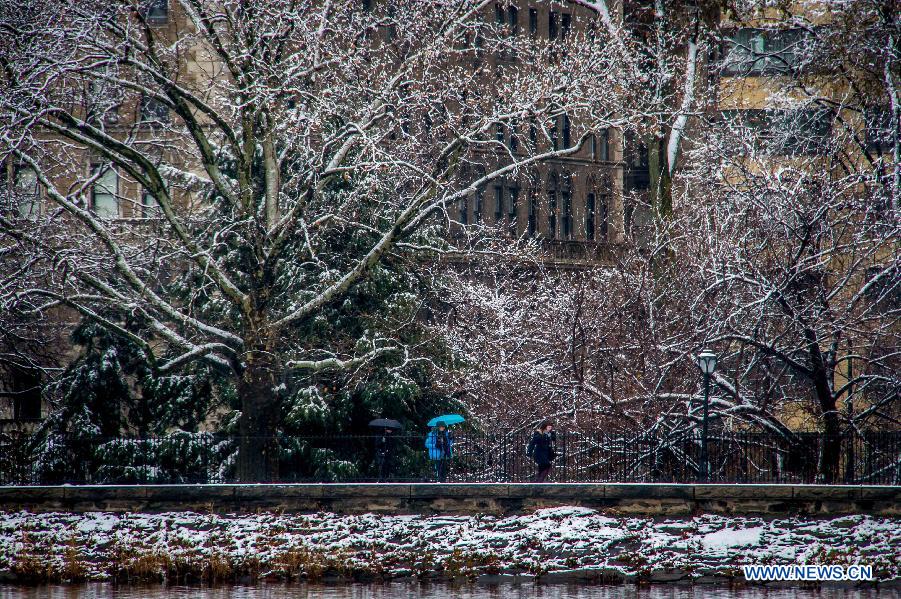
{"x": 603, "y": 206}
{"x": 567, "y": 214}
{"x": 764, "y": 51}
{"x": 552, "y": 214}
{"x": 783, "y": 132}
{"x": 464, "y": 209}
{"x": 883, "y": 289}
{"x": 153, "y": 110}
{"x": 477, "y": 209}
{"x": 150, "y": 208}
{"x": 101, "y": 103}
{"x": 566, "y": 130}
{"x": 533, "y": 213}
{"x": 27, "y": 192}
{"x": 25, "y": 385}
{"x": 566, "y": 21}
{"x": 637, "y": 174}
{"x": 105, "y": 192}
{"x": 391, "y": 28}
{"x": 555, "y": 142}
{"x": 589, "y": 217}
{"x": 367, "y": 5}
{"x": 552, "y": 195}
{"x": 533, "y": 133}
{"x": 513, "y": 19}
{"x": 498, "y": 203}
{"x": 878, "y": 128}
{"x": 533, "y": 21}
{"x": 499, "y": 16}
{"x": 513, "y": 193}
{"x": 604, "y": 145}
{"x": 514, "y": 139}
{"x": 499, "y": 132}
{"x": 156, "y": 11}
{"x": 553, "y": 20}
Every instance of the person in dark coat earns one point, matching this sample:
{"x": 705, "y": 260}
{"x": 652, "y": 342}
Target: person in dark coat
{"x": 441, "y": 447}
{"x": 384, "y": 446}
{"x": 543, "y": 449}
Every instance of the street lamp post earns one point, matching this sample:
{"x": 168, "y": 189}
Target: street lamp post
{"x": 707, "y": 364}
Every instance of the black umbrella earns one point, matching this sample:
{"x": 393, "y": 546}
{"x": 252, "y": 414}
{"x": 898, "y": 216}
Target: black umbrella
{"x": 385, "y": 423}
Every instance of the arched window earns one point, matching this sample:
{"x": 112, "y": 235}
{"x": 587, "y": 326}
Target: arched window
{"x": 606, "y": 191}
{"x": 597, "y": 202}
{"x": 534, "y": 186}
{"x": 105, "y": 190}
{"x": 512, "y": 201}
{"x": 463, "y": 202}
{"x": 566, "y": 201}
{"x": 553, "y": 196}
{"x": 479, "y": 197}
{"x": 26, "y": 191}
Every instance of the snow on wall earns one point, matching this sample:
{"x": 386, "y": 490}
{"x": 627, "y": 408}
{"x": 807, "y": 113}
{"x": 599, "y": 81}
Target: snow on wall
{"x": 546, "y": 541}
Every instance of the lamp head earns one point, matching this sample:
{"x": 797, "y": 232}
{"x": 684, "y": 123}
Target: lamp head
{"x": 707, "y": 361}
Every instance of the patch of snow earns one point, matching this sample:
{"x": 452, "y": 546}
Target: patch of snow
{"x": 730, "y": 537}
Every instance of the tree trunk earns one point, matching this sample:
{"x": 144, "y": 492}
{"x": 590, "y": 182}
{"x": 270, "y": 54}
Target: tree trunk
{"x": 258, "y": 452}
{"x": 661, "y": 183}
{"x": 830, "y": 456}
{"x": 832, "y": 446}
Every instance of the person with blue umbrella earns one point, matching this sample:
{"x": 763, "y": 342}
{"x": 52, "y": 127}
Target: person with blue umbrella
{"x": 440, "y": 443}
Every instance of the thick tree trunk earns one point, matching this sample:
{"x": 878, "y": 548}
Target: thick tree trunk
{"x": 258, "y": 452}
{"x": 832, "y": 446}
{"x": 661, "y": 181}
{"x": 830, "y": 456}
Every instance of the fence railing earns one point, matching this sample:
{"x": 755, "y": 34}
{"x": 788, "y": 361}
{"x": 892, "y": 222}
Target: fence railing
{"x": 734, "y": 457}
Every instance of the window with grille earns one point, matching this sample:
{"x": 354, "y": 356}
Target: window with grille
{"x": 589, "y": 216}
{"x": 753, "y": 51}
{"x": 533, "y": 213}
{"x": 781, "y": 132}
{"x": 880, "y": 133}
{"x": 553, "y": 25}
{"x": 105, "y": 191}
{"x": 552, "y": 214}
{"x": 604, "y": 145}
{"x": 150, "y": 208}
{"x": 156, "y": 11}
{"x": 153, "y": 110}
{"x": 477, "y": 209}
{"x": 27, "y": 192}
{"x": 513, "y": 19}
{"x": 603, "y": 204}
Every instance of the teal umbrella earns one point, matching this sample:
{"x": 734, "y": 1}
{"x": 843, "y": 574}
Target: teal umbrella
{"x": 447, "y": 419}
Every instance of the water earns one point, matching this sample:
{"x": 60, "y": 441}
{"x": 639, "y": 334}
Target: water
{"x": 433, "y": 591}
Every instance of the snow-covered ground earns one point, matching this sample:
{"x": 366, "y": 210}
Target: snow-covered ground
{"x": 558, "y": 543}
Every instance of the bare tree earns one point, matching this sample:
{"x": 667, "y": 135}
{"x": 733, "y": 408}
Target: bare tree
{"x": 216, "y": 181}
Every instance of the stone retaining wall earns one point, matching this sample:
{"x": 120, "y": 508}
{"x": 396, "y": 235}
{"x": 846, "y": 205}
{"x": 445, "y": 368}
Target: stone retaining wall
{"x": 423, "y": 498}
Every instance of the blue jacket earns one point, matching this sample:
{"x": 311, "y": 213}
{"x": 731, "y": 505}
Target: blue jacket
{"x": 440, "y": 445}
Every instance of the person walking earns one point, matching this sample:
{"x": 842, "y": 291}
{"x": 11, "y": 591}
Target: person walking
{"x": 542, "y": 448}
{"x": 383, "y": 450}
{"x": 441, "y": 447}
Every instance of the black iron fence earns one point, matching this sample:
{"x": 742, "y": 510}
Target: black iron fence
{"x": 735, "y": 457}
